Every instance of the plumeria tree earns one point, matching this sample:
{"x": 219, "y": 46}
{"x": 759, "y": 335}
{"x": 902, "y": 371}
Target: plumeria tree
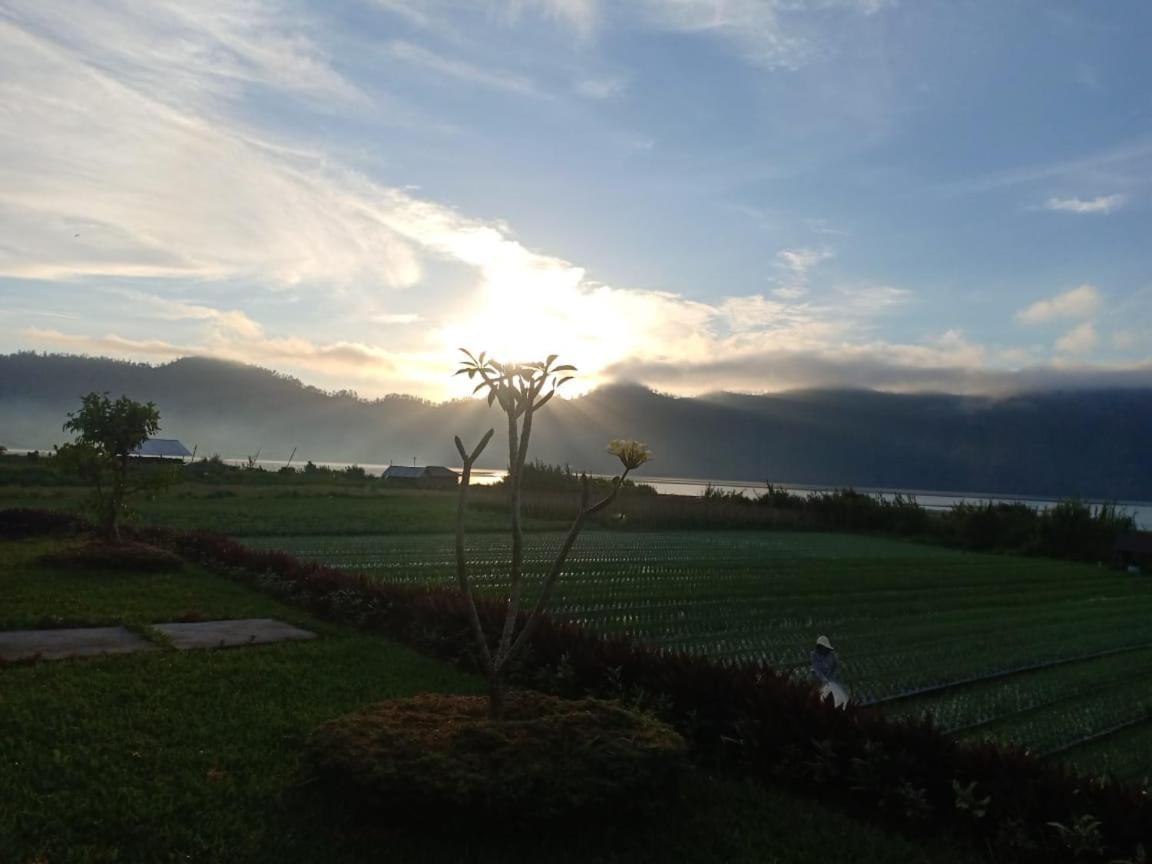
{"x": 520, "y": 390}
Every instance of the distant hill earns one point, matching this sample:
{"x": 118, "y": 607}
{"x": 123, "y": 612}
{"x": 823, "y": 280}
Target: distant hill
{"x": 1095, "y": 443}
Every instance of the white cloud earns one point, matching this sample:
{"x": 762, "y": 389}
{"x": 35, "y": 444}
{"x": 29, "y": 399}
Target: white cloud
{"x": 184, "y": 52}
{"x": 580, "y": 14}
{"x": 100, "y": 176}
{"x": 795, "y": 265}
{"x": 341, "y": 357}
{"x": 1079, "y": 340}
{"x": 396, "y": 318}
{"x": 763, "y": 30}
{"x": 1081, "y": 302}
{"x": 600, "y": 88}
{"x": 1102, "y": 204}
{"x": 801, "y": 260}
{"x": 227, "y": 321}
{"x": 461, "y": 69}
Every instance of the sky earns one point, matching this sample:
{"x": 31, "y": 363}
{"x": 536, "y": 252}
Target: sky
{"x": 695, "y": 195}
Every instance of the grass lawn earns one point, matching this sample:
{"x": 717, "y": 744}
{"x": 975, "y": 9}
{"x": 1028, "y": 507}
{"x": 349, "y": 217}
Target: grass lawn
{"x": 172, "y": 756}
{"x": 282, "y": 508}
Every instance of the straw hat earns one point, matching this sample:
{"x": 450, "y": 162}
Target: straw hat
{"x": 823, "y": 642}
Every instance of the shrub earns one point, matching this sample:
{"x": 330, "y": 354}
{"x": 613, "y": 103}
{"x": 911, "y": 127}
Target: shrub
{"x": 441, "y": 757}
{"x": 19, "y": 522}
{"x": 128, "y": 555}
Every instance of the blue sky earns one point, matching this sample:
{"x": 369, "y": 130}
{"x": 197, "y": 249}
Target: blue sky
{"x": 698, "y": 195}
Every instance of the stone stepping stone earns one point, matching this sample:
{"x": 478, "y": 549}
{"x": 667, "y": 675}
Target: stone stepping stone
{"x": 70, "y": 642}
{"x": 227, "y": 634}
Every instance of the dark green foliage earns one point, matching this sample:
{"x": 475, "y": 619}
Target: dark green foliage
{"x": 21, "y": 522}
{"x": 1070, "y": 529}
{"x": 107, "y": 433}
{"x": 125, "y": 556}
{"x": 433, "y": 758}
{"x": 539, "y": 476}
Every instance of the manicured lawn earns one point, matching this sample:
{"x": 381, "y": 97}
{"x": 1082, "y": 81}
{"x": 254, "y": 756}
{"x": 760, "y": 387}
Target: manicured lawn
{"x": 172, "y": 756}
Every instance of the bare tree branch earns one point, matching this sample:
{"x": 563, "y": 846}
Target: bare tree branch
{"x": 462, "y": 578}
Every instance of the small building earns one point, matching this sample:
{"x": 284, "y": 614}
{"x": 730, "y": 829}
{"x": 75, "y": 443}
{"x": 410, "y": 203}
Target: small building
{"x": 422, "y": 477}
{"x": 1134, "y": 550}
{"x": 162, "y": 449}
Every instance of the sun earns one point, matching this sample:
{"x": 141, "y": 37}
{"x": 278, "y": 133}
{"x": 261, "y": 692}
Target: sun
{"x": 527, "y": 319}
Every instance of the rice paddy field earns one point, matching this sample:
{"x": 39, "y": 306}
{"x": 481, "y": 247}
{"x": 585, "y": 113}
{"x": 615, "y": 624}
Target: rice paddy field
{"x": 1052, "y": 656}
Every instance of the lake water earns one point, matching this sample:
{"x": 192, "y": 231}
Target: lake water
{"x": 929, "y": 499}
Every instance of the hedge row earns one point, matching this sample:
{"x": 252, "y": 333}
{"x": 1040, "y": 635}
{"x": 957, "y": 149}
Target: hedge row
{"x": 743, "y": 717}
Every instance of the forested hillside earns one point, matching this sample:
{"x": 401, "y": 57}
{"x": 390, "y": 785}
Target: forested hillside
{"x": 1094, "y": 443}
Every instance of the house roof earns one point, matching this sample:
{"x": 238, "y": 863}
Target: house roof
{"x": 429, "y": 472}
{"x": 166, "y": 448}
{"x": 1140, "y": 541}
{"x": 402, "y": 472}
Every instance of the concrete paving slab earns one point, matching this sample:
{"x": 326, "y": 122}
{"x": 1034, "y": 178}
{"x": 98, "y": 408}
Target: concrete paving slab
{"x": 70, "y": 642}
{"x": 226, "y": 634}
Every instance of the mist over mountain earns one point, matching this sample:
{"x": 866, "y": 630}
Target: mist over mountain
{"x": 1094, "y": 443}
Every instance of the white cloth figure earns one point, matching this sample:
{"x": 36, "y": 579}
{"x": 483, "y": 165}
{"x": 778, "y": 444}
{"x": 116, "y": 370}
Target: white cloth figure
{"x": 826, "y": 667}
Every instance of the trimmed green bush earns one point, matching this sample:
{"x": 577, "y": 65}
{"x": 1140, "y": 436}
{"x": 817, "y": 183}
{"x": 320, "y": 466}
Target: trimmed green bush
{"x": 128, "y": 555}
{"x": 436, "y": 757}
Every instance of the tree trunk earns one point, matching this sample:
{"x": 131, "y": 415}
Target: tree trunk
{"x": 495, "y": 696}
{"x": 111, "y": 530}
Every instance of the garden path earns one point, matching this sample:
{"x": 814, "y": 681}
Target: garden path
{"x": 62, "y": 643}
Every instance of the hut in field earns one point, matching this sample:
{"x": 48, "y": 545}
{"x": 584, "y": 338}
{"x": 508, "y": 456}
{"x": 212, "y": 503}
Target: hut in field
{"x": 422, "y": 476}
{"x": 1134, "y": 550}
{"x": 162, "y": 449}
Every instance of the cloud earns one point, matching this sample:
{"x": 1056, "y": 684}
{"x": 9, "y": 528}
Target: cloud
{"x": 396, "y": 318}
{"x": 600, "y": 88}
{"x": 196, "y": 52}
{"x": 800, "y": 261}
{"x": 230, "y": 321}
{"x": 871, "y": 367}
{"x": 106, "y": 171}
{"x": 1102, "y": 204}
{"x": 795, "y": 265}
{"x": 99, "y": 175}
{"x": 341, "y": 357}
{"x": 1079, "y": 340}
{"x": 1081, "y": 302}
{"x": 582, "y": 15}
{"x": 461, "y": 70}
{"x": 775, "y": 34}
{"x": 766, "y": 32}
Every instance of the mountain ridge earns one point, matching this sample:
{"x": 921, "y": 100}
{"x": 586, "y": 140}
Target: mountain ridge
{"x": 1091, "y": 443}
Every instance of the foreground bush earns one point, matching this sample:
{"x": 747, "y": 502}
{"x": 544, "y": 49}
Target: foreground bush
{"x": 18, "y": 523}
{"x": 436, "y": 757}
{"x": 123, "y": 556}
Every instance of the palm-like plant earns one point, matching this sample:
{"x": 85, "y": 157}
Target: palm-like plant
{"x": 521, "y": 390}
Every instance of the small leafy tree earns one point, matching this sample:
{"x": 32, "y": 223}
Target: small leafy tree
{"x": 107, "y": 433}
{"x": 521, "y": 390}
